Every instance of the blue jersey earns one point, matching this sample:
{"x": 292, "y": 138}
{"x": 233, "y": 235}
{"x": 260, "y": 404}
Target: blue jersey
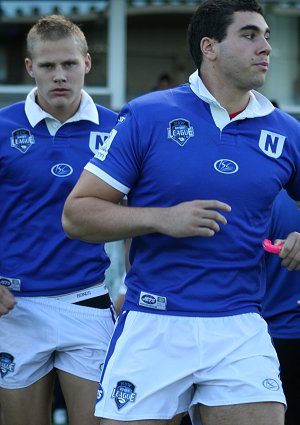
{"x": 280, "y": 307}
{"x": 37, "y": 172}
{"x": 179, "y": 145}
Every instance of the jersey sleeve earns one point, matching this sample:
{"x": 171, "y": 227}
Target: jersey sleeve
{"x": 117, "y": 160}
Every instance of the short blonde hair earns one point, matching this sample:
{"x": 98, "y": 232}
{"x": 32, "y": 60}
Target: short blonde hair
{"x": 54, "y": 28}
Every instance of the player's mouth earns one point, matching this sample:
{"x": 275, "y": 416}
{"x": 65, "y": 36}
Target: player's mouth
{"x": 59, "y": 92}
{"x": 263, "y": 66}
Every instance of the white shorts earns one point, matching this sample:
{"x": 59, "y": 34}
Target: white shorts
{"x": 158, "y": 366}
{"x": 42, "y": 333}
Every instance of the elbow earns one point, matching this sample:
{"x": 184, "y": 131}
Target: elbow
{"x": 69, "y": 228}
{"x": 69, "y": 223}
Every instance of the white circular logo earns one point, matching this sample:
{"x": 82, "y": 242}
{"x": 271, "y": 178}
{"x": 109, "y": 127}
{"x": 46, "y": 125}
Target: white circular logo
{"x": 61, "y": 170}
{"x": 226, "y": 166}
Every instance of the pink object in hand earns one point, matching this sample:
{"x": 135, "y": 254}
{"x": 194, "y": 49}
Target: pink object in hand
{"x": 269, "y": 247}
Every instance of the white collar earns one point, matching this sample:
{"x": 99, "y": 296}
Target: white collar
{"x": 87, "y": 110}
{"x": 258, "y": 105}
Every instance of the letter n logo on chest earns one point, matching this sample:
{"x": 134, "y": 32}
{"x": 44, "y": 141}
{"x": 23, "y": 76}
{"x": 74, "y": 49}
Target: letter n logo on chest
{"x": 271, "y": 143}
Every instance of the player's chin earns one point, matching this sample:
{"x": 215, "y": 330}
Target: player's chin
{"x": 259, "y": 80}
{"x": 61, "y": 102}
{"x": 257, "y": 84}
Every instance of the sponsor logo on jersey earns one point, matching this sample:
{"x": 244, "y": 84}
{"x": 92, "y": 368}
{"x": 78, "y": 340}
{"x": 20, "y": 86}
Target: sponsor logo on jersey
{"x": 4, "y": 281}
{"x": 103, "y": 149}
{"x": 6, "y": 364}
{"x": 21, "y": 139}
{"x": 152, "y": 301}
{"x": 61, "y": 170}
{"x": 271, "y": 143}
{"x": 271, "y": 384}
{"x": 226, "y": 166}
{"x": 97, "y": 138}
{"x": 180, "y": 131}
{"x": 123, "y": 393}
{"x": 11, "y": 283}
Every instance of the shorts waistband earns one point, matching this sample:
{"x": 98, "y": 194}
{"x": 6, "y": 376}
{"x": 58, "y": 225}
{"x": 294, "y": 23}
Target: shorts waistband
{"x": 103, "y": 301}
{"x": 84, "y": 294}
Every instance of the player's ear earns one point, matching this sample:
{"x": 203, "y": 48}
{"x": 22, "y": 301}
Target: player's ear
{"x": 88, "y": 63}
{"x": 208, "y": 47}
{"x": 28, "y": 66}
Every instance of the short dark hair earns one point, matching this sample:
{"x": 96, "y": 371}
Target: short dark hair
{"x": 212, "y": 18}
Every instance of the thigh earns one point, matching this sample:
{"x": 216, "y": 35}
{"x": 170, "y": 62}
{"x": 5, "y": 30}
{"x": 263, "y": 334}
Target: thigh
{"x": 147, "y": 375}
{"x": 243, "y": 414}
{"x": 83, "y": 337}
{"x": 241, "y": 364}
{"x": 27, "y": 344}
{"x": 30, "y": 405}
{"x": 175, "y": 421}
{"x": 80, "y": 397}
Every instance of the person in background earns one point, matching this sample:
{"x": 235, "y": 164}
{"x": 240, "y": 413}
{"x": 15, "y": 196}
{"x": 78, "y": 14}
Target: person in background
{"x": 164, "y": 81}
{"x": 280, "y": 308}
{"x": 63, "y": 317}
{"x": 275, "y": 103}
{"x": 201, "y": 165}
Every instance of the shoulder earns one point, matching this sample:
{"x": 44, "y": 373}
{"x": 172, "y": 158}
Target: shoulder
{"x": 286, "y": 118}
{"x": 153, "y": 106}
{"x": 107, "y": 117}
{"x": 281, "y": 123}
{"x": 162, "y": 97}
{"x": 157, "y": 108}
{"x": 105, "y": 111}
{"x": 12, "y": 109}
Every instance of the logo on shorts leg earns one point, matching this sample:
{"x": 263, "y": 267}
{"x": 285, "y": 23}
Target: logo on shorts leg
{"x": 271, "y": 384}
{"x": 123, "y": 393}
{"x": 100, "y": 393}
{"x": 6, "y": 364}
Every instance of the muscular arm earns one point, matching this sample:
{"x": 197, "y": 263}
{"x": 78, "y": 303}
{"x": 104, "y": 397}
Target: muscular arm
{"x": 93, "y": 213}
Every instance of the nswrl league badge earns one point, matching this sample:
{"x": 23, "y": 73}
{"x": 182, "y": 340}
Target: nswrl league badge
{"x": 123, "y": 393}
{"x": 21, "y": 139}
{"x": 180, "y": 130}
{"x": 6, "y": 364}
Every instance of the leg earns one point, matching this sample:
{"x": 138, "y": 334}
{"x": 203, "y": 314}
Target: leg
{"x": 1, "y": 420}
{"x": 59, "y": 408}
{"x": 288, "y": 351}
{"x": 80, "y": 396}
{"x": 269, "y": 413}
{"x": 186, "y": 420}
{"x": 30, "y": 405}
{"x": 175, "y": 421}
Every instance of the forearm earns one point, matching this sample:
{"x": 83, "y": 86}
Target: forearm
{"x": 93, "y": 220}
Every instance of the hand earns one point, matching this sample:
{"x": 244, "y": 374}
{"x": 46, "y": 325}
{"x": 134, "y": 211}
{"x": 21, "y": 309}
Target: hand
{"x": 290, "y": 252}
{"x": 7, "y": 300}
{"x": 194, "y": 218}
